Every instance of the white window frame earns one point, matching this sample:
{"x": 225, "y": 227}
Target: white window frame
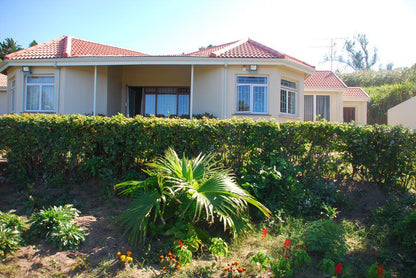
{"x": 314, "y": 106}
{"x": 12, "y": 95}
{"x": 40, "y": 94}
{"x": 287, "y": 89}
{"x": 266, "y": 99}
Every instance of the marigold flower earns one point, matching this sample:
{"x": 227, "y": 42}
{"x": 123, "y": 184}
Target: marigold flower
{"x": 129, "y": 259}
{"x": 128, "y": 253}
{"x": 239, "y": 270}
{"x": 287, "y": 243}
{"x": 122, "y": 257}
{"x": 162, "y": 257}
{"x": 118, "y": 253}
{"x": 178, "y": 267}
{"x": 181, "y": 243}
{"x": 338, "y": 268}
{"x": 164, "y": 268}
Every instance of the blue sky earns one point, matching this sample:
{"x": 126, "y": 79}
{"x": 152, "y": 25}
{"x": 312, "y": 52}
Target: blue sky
{"x": 301, "y": 28}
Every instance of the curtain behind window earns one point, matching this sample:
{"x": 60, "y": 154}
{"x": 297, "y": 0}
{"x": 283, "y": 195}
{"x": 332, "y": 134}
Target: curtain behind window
{"x": 323, "y": 107}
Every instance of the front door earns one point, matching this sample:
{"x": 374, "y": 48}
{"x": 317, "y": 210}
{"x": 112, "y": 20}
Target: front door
{"x": 135, "y": 96}
{"x": 349, "y": 114}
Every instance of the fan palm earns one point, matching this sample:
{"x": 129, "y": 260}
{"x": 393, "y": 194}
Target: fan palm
{"x": 195, "y": 189}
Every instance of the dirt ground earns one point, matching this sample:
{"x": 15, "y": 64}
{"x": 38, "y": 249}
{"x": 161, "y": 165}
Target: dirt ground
{"x": 104, "y": 240}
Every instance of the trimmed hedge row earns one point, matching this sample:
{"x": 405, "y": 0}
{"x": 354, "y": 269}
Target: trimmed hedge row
{"x": 52, "y": 148}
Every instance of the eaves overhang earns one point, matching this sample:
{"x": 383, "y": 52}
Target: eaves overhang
{"x": 154, "y": 60}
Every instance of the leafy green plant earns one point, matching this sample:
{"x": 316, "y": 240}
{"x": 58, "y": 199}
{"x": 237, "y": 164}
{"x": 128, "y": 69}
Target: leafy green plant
{"x": 11, "y": 228}
{"x": 377, "y": 271}
{"x": 183, "y": 253}
{"x": 282, "y": 267}
{"x": 327, "y": 266}
{"x": 10, "y": 240}
{"x": 57, "y": 225}
{"x": 218, "y": 247}
{"x": 302, "y": 258}
{"x": 192, "y": 190}
{"x": 261, "y": 259}
{"x": 325, "y": 237}
{"x": 67, "y": 236}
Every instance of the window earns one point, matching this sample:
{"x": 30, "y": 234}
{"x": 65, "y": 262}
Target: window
{"x": 317, "y": 108}
{"x": 12, "y": 93}
{"x": 40, "y": 93}
{"x": 349, "y": 114}
{"x": 166, "y": 101}
{"x": 252, "y": 94}
{"x": 288, "y": 97}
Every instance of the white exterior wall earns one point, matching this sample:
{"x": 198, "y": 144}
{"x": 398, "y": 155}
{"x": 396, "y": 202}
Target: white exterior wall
{"x": 403, "y": 114}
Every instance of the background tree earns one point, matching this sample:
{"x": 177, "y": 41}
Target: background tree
{"x": 8, "y": 46}
{"x": 33, "y": 43}
{"x": 358, "y": 54}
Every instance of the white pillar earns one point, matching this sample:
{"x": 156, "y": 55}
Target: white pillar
{"x": 224, "y": 116}
{"x": 94, "y": 109}
{"x": 192, "y": 92}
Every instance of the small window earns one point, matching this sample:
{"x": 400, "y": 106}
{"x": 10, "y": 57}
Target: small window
{"x": 349, "y": 114}
{"x": 288, "y": 97}
{"x": 317, "y": 107}
{"x": 252, "y": 94}
{"x": 40, "y": 93}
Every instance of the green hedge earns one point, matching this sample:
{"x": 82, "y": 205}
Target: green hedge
{"x": 52, "y": 148}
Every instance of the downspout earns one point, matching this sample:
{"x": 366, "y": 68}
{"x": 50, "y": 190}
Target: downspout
{"x": 192, "y": 92}
{"x": 58, "y": 76}
{"x": 94, "y": 109}
{"x": 225, "y": 90}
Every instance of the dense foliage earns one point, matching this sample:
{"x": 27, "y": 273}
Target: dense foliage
{"x": 386, "y": 88}
{"x": 11, "y": 228}
{"x": 194, "y": 192}
{"x": 52, "y": 148}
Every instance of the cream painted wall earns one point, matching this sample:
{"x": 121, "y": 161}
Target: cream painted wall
{"x": 78, "y": 90}
{"x": 208, "y": 90}
{"x": 3, "y": 102}
{"x": 360, "y": 110}
{"x": 114, "y": 90}
{"x": 274, "y": 75}
{"x": 403, "y": 114}
{"x": 335, "y": 113}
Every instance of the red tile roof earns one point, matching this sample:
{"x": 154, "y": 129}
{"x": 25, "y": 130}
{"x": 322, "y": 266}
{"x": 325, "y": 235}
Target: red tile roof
{"x": 355, "y": 92}
{"x": 3, "y": 81}
{"x": 244, "y": 49}
{"x": 324, "y": 79}
{"x": 65, "y": 47}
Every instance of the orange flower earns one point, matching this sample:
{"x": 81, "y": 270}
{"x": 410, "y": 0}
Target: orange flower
{"x": 118, "y": 253}
{"x": 181, "y": 243}
{"x": 264, "y": 233}
{"x": 162, "y": 257}
{"x": 128, "y": 253}
{"x": 122, "y": 257}
{"x": 178, "y": 267}
{"x": 164, "y": 268}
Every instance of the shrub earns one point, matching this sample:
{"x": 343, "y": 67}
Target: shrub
{"x": 11, "y": 228}
{"x": 193, "y": 191}
{"x": 57, "y": 225}
{"x": 326, "y": 238}
{"x": 218, "y": 247}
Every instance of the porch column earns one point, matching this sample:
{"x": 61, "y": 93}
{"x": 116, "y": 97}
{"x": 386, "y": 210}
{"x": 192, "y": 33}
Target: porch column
{"x": 192, "y": 92}
{"x": 94, "y": 109}
{"x": 224, "y": 116}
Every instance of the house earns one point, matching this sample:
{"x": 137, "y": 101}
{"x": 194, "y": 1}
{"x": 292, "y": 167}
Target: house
{"x": 3, "y": 94}
{"x": 327, "y": 97}
{"x": 241, "y": 78}
{"x": 403, "y": 114}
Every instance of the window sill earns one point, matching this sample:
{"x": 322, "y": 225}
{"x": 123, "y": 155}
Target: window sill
{"x": 39, "y": 112}
{"x": 289, "y": 116}
{"x": 250, "y": 114}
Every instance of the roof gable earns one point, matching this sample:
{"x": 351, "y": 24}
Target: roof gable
{"x": 244, "y": 49}
{"x": 3, "y": 81}
{"x": 65, "y": 47}
{"x": 324, "y": 79}
{"x": 355, "y": 92}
